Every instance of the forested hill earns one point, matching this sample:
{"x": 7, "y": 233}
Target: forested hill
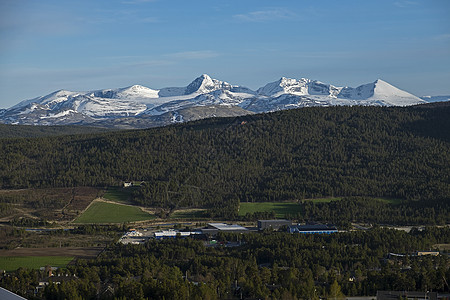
{"x": 30, "y": 131}
{"x": 294, "y": 154}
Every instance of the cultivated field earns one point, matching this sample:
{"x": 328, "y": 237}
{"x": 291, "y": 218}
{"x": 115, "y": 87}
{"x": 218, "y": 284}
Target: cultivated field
{"x": 12, "y": 263}
{"x": 193, "y": 213}
{"x": 280, "y": 208}
{"x": 319, "y": 200}
{"x": 118, "y": 194}
{"x": 79, "y": 252}
{"x": 52, "y": 204}
{"x": 283, "y": 208}
{"x": 106, "y": 212}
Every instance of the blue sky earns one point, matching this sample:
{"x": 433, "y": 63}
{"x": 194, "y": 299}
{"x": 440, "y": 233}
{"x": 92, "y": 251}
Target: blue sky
{"x": 48, "y": 45}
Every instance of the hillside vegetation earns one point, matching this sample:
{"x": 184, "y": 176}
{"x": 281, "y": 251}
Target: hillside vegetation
{"x": 217, "y": 163}
{"x": 29, "y": 131}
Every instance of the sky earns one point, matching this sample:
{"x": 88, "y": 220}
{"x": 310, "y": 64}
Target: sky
{"x": 48, "y": 45}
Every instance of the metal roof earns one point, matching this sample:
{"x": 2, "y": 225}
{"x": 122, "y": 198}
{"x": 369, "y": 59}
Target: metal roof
{"x": 223, "y": 226}
{"x": 275, "y": 221}
{"x": 174, "y": 233}
{"x": 8, "y": 295}
{"x": 315, "y": 227}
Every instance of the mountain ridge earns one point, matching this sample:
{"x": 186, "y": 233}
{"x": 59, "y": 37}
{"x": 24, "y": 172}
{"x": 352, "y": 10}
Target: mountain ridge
{"x": 150, "y": 106}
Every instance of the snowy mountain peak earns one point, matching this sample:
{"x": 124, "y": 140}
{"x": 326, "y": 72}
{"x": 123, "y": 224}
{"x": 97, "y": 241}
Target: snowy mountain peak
{"x": 381, "y": 81}
{"x": 380, "y": 90}
{"x": 394, "y": 96}
{"x": 301, "y": 87}
{"x": 205, "y": 77}
{"x": 130, "y": 93}
{"x": 137, "y": 91}
{"x": 383, "y": 86}
{"x": 140, "y": 106}
{"x": 281, "y": 86}
{"x": 285, "y": 81}
{"x": 50, "y": 99}
{"x": 203, "y": 84}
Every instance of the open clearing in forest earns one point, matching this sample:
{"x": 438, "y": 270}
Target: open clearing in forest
{"x": 393, "y": 201}
{"x": 193, "y": 213}
{"x": 12, "y": 263}
{"x": 320, "y": 200}
{"x": 34, "y": 258}
{"x": 52, "y": 204}
{"x": 80, "y": 252}
{"x": 119, "y": 194}
{"x": 281, "y": 209}
{"x": 106, "y": 212}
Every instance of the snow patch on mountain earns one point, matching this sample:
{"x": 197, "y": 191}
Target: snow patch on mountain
{"x": 380, "y": 91}
{"x": 110, "y": 106}
{"x": 299, "y": 87}
{"x": 131, "y": 92}
{"x": 431, "y": 99}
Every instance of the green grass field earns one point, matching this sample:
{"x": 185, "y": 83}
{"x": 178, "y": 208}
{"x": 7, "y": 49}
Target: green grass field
{"x": 393, "y": 201}
{"x": 102, "y": 212}
{"x": 280, "y": 208}
{"x": 283, "y": 208}
{"x": 189, "y": 214}
{"x": 319, "y": 200}
{"x": 12, "y": 263}
{"x": 118, "y": 194}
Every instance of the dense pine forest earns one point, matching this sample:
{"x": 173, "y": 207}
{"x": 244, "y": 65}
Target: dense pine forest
{"x": 386, "y": 165}
{"x": 271, "y": 265}
{"x": 393, "y": 152}
{"x": 29, "y": 131}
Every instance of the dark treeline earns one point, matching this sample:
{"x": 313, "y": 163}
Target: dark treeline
{"x": 217, "y": 163}
{"x": 30, "y": 131}
{"x": 360, "y": 209}
{"x": 263, "y": 266}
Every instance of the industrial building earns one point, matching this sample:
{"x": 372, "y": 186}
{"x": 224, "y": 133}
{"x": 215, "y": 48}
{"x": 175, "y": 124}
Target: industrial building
{"x": 8, "y": 295}
{"x": 397, "y": 295}
{"x": 165, "y": 234}
{"x": 214, "y": 228}
{"x": 423, "y": 253}
{"x": 274, "y": 224}
{"x": 313, "y": 229}
{"x": 211, "y": 230}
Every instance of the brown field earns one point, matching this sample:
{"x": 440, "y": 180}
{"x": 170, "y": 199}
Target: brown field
{"x": 78, "y": 252}
{"x": 54, "y": 204}
{"x": 11, "y": 238}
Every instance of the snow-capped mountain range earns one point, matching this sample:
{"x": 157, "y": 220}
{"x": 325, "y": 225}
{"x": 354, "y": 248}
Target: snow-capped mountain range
{"x": 139, "y": 106}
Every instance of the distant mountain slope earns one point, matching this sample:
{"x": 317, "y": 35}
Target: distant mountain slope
{"x": 436, "y": 98}
{"x": 28, "y": 131}
{"x": 140, "y": 107}
{"x": 398, "y": 152}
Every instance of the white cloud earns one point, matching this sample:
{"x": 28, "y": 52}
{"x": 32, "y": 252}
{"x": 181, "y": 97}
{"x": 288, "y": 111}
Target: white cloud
{"x": 265, "y": 15}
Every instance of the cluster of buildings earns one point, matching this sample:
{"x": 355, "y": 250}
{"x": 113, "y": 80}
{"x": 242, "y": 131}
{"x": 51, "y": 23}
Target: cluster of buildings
{"x": 313, "y": 228}
{"x": 417, "y": 253}
{"x": 409, "y": 295}
{"x": 297, "y": 228}
{"x": 212, "y": 229}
